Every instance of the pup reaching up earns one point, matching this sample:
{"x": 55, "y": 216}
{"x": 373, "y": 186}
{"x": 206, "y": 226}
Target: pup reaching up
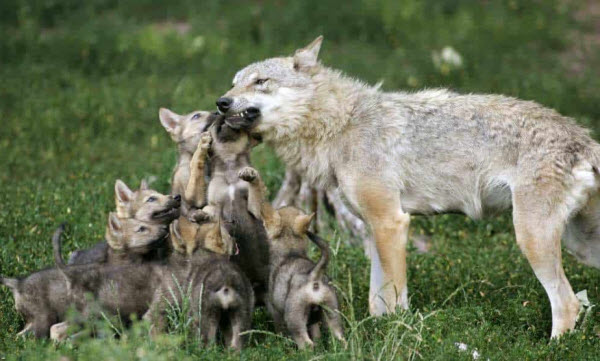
{"x": 185, "y": 130}
{"x": 227, "y": 197}
{"x": 300, "y": 296}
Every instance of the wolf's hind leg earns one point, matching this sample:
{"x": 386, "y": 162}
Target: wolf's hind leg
{"x": 539, "y": 223}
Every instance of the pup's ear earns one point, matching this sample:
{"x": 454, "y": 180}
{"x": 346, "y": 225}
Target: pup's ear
{"x": 144, "y": 185}
{"x": 272, "y": 221}
{"x": 115, "y": 231}
{"x": 228, "y": 242}
{"x": 122, "y": 192}
{"x": 307, "y": 57}
{"x": 170, "y": 121}
{"x": 176, "y": 239}
{"x": 214, "y": 239}
{"x": 301, "y": 223}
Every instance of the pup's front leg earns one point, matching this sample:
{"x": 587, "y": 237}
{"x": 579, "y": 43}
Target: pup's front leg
{"x": 256, "y": 190}
{"x": 195, "y": 191}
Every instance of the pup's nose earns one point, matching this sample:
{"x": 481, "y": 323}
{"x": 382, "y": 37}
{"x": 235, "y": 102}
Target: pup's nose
{"x": 177, "y": 198}
{"x": 252, "y": 113}
{"x": 224, "y": 104}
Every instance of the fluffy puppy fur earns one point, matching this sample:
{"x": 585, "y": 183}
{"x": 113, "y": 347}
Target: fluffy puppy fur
{"x": 300, "y": 296}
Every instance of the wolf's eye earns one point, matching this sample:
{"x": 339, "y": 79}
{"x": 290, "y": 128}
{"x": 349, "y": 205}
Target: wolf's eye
{"x": 151, "y": 199}
{"x": 141, "y": 229}
{"x": 196, "y": 116}
{"x": 261, "y": 81}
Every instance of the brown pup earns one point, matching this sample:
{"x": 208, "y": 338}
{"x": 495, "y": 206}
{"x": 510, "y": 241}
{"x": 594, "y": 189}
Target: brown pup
{"x": 185, "y": 130}
{"x": 300, "y": 296}
{"x": 227, "y": 198}
{"x": 220, "y": 294}
{"x": 143, "y": 206}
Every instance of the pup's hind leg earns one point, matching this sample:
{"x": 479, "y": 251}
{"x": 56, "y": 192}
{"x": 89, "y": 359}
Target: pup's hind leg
{"x": 539, "y": 220}
{"x": 296, "y": 321}
{"x": 382, "y": 209}
{"x": 333, "y": 319}
{"x": 237, "y": 324}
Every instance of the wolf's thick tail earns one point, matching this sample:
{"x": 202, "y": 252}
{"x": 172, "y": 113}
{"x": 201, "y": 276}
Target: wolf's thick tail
{"x": 317, "y": 272}
{"x": 56, "y": 247}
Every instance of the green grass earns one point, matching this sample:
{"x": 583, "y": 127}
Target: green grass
{"x": 80, "y": 88}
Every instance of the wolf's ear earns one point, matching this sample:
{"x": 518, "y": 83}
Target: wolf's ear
{"x": 144, "y": 184}
{"x": 307, "y": 57}
{"x": 170, "y": 121}
{"x": 227, "y": 240}
{"x": 301, "y": 223}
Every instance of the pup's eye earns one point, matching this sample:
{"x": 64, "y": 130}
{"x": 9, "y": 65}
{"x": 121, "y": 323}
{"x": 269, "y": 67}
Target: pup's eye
{"x": 261, "y": 81}
{"x": 196, "y": 116}
{"x": 151, "y": 199}
{"x": 141, "y": 229}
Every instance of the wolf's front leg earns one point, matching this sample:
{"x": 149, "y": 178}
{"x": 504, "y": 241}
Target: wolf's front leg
{"x": 195, "y": 191}
{"x": 382, "y": 209}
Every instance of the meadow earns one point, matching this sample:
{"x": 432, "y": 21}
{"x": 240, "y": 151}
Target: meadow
{"x": 80, "y": 88}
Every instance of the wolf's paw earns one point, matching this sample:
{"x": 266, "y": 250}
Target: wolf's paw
{"x": 205, "y": 140}
{"x": 248, "y": 174}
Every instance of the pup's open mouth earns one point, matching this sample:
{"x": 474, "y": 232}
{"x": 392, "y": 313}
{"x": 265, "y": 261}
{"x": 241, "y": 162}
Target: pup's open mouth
{"x": 244, "y": 119}
{"x": 166, "y": 214}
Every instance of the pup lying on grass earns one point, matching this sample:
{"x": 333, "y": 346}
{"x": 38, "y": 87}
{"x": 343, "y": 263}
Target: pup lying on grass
{"x": 44, "y": 297}
{"x": 227, "y": 197}
{"x": 135, "y": 209}
{"x": 220, "y": 295}
{"x": 300, "y": 296}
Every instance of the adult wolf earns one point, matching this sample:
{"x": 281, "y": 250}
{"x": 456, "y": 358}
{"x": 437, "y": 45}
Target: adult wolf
{"x": 434, "y": 151}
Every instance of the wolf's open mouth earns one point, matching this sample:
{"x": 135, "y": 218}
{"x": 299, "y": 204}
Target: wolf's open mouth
{"x": 166, "y": 213}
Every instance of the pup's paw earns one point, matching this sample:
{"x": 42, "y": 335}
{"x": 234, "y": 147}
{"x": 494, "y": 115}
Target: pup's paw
{"x": 205, "y": 140}
{"x": 198, "y": 216}
{"x": 248, "y": 174}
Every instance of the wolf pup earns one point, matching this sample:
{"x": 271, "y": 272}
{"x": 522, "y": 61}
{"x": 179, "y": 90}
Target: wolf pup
{"x": 227, "y": 197}
{"x": 125, "y": 289}
{"x": 141, "y": 206}
{"x": 430, "y": 152}
{"x": 185, "y": 130}
{"x": 223, "y": 293}
{"x": 297, "y": 287}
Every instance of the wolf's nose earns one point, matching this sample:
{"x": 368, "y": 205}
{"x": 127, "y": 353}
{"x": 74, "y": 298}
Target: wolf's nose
{"x": 177, "y": 197}
{"x": 224, "y": 104}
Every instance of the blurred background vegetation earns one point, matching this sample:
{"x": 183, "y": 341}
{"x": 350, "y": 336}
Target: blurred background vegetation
{"x": 81, "y": 83}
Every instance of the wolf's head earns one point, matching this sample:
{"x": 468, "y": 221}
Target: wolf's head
{"x": 145, "y": 204}
{"x": 184, "y": 129}
{"x": 275, "y": 92}
{"x": 129, "y": 234}
{"x": 287, "y": 228}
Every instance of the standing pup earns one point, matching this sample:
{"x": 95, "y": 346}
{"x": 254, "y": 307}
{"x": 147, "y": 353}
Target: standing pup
{"x": 186, "y": 130}
{"x": 220, "y": 294}
{"x": 228, "y": 198}
{"x": 429, "y": 152}
{"x": 298, "y": 289}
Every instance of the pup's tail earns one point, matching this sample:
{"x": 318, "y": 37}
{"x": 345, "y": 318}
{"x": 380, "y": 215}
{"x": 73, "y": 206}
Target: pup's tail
{"x": 228, "y": 297}
{"x": 11, "y": 283}
{"x": 56, "y": 246}
{"x": 317, "y": 272}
